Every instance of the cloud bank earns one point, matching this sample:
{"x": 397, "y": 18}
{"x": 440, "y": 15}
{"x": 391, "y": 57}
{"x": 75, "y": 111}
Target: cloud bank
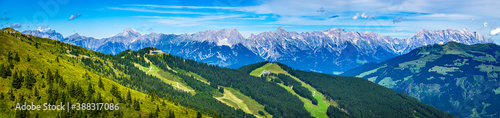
{"x": 15, "y": 25}
{"x": 43, "y": 28}
{"x": 397, "y": 20}
{"x": 74, "y": 16}
{"x": 495, "y": 31}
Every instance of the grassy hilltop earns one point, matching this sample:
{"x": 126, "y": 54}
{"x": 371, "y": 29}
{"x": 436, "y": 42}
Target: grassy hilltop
{"x": 40, "y": 70}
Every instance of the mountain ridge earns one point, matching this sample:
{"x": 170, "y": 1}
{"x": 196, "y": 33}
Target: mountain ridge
{"x": 457, "y": 78}
{"x": 317, "y": 50}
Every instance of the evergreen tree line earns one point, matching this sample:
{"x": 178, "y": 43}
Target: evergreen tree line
{"x": 277, "y": 101}
{"x": 140, "y": 81}
{"x": 296, "y": 86}
{"x": 362, "y": 98}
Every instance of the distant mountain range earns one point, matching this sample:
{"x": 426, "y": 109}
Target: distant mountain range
{"x": 328, "y": 51}
{"x": 457, "y": 78}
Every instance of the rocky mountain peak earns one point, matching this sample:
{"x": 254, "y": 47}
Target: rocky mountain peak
{"x": 280, "y": 29}
{"x": 76, "y": 35}
{"x": 52, "y": 34}
{"x": 128, "y": 32}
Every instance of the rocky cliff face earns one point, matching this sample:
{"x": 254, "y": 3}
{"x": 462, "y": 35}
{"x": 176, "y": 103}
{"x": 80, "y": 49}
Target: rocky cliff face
{"x": 52, "y": 34}
{"x": 327, "y": 51}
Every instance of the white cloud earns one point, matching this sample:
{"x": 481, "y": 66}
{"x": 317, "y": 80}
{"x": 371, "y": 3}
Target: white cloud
{"x": 15, "y": 25}
{"x": 155, "y": 11}
{"x": 472, "y": 7}
{"x": 180, "y": 7}
{"x": 308, "y": 7}
{"x": 443, "y": 17}
{"x": 485, "y": 24}
{"x": 43, "y": 28}
{"x": 363, "y": 15}
{"x": 187, "y": 21}
{"x": 355, "y": 16}
{"x": 320, "y": 10}
{"x": 5, "y": 18}
{"x": 74, "y": 16}
{"x": 400, "y": 19}
{"x": 256, "y": 18}
{"x": 495, "y": 31}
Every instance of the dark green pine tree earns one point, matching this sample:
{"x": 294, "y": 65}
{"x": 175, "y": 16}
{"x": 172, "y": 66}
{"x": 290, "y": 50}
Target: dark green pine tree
{"x": 129, "y": 97}
{"x": 157, "y": 110}
{"x": 215, "y": 115}
{"x": 59, "y": 79}
{"x": 176, "y": 102}
{"x": 72, "y": 90}
{"x": 3, "y": 73}
{"x": 12, "y": 96}
{"x": 36, "y": 92}
{"x": 16, "y": 80}
{"x": 101, "y": 85}
{"x": 115, "y": 92}
{"x": 53, "y": 94}
{"x": 7, "y": 70}
{"x": 11, "y": 65}
{"x": 153, "y": 96}
{"x": 137, "y": 107}
{"x": 221, "y": 89}
{"x": 63, "y": 97}
{"x": 150, "y": 115}
{"x": 9, "y": 56}
{"x": 22, "y": 113}
{"x": 171, "y": 114}
{"x": 17, "y": 58}
{"x": 99, "y": 98}
{"x": 49, "y": 77}
{"x": 79, "y": 94}
{"x": 57, "y": 76}
{"x": 90, "y": 90}
{"x": 20, "y": 76}
{"x": 198, "y": 115}
{"x": 118, "y": 113}
{"x": 30, "y": 79}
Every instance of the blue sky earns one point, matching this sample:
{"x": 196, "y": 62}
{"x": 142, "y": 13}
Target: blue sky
{"x": 396, "y": 18}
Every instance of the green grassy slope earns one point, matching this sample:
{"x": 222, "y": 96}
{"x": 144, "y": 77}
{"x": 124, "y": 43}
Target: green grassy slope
{"x": 39, "y": 55}
{"x": 347, "y": 96}
{"x": 457, "y": 78}
{"x": 238, "y": 100}
{"x": 166, "y": 77}
{"x": 318, "y": 110}
{"x": 275, "y": 99}
{"x": 362, "y": 98}
{"x": 232, "y": 97}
